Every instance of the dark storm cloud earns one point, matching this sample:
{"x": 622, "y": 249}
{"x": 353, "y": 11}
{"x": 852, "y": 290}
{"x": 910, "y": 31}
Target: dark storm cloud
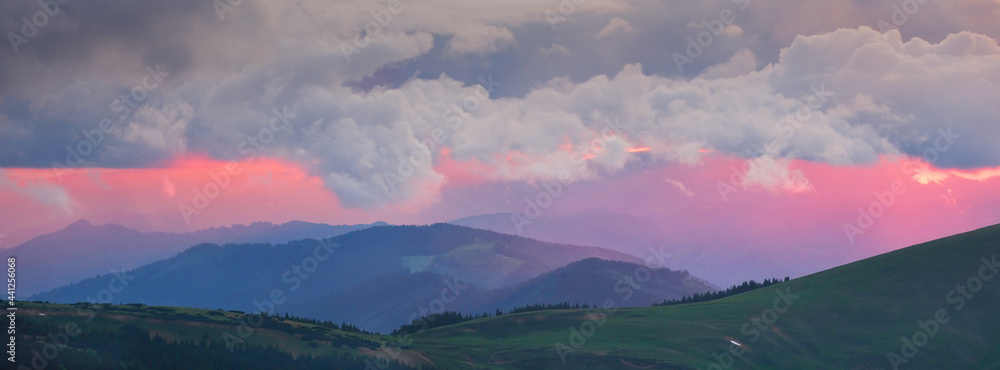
{"x": 746, "y": 66}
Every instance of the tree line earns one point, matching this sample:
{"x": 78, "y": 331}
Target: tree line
{"x": 711, "y": 296}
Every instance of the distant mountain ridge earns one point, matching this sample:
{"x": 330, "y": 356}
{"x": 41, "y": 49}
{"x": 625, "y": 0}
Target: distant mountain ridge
{"x": 82, "y": 250}
{"x": 378, "y": 277}
{"x": 724, "y": 255}
{"x": 929, "y": 306}
{"x": 593, "y": 281}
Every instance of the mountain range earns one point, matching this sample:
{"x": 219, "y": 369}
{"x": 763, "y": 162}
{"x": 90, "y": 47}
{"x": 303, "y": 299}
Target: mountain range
{"x": 83, "y": 250}
{"x": 742, "y": 250}
{"x": 379, "y": 277}
{"x": 928, "y": 306}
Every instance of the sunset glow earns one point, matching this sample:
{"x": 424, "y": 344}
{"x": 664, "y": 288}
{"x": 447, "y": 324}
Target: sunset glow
{"x": 540, "y": 184}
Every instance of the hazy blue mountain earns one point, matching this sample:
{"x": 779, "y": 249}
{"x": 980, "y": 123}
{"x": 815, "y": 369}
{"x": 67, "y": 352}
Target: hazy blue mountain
{"x": 387, "y": 302}
{"x": 82, "y": 250}
{"x": 748, "y": 247}
{"x": 376, "y": 277}
{"x": 593, "y": 281}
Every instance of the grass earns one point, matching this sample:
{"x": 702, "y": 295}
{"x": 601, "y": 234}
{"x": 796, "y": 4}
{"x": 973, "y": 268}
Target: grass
{"x": 847, "y": 317}
{"x": 198, "y": 325}
{"x": 851, "y": 317}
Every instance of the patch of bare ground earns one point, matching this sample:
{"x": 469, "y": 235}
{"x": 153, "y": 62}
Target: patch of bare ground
{"x": 409, "y": 357}
{"x": 633, "y": 366}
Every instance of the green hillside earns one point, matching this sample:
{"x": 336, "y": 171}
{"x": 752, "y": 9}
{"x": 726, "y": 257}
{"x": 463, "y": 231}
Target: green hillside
{"x": 88, "y": 336}
{"x": 850, "y": 317}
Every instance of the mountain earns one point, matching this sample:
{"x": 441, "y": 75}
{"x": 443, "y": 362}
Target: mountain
{"x": 15, "y": 237}
{"x": 356, "y": 277}
{"x": 930, "y": 306}
{"x": 593, "y": 280}
{"x": 609, "y": 230}
{"x": 82, "y": 250}
{"x": 748, "y": 247}
{"x": 385, "y": 303}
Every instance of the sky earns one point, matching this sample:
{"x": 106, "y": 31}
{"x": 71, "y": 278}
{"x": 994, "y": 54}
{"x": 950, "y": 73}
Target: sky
{"x": 187, "y": 114}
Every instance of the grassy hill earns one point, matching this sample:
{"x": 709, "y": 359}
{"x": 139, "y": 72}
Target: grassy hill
{"x": 206, "y": 338}
{"x": 929, "y": 306}
{"x": 852, "y": 316}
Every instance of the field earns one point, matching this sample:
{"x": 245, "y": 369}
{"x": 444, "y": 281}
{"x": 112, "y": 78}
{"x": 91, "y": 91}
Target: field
{"x": 852, "y": 316}
{"x": 932, "y": 305}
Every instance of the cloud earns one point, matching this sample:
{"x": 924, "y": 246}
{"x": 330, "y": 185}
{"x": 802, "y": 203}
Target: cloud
{"x": 742, "y": 62}
{"x": 774, "y": 174}
{"x": 883, "y": 70}
{"x": 168, "y": 187}
{"x": 732, "y": 30}
{"x": 361, "y": 142}
{"x": 555, "y": 49}
{"x": 617, "y": 26}
{"x": 481, "y": 41}
{"x": 925, "y": 174}
{"x": 365, "y": 114}
{"x": 162, "y": 129}
{"x": 680, "y": 186}
{"x": 41, "y": 192}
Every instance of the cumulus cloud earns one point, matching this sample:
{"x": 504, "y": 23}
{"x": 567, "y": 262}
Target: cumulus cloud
{"x": 791, "y": 109}
{"x": 481, "y": 41}
{"x": 732, "y": 30}
{"x": 894, "y": 75}
{"x": 842, "y": 97}
{"x": 741, "y": 63}
{"x": 774, "y": 174}
{"x": 162, "y": 129}
{"x": 554, "y": 49}
{"x": 617, "y": 26}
